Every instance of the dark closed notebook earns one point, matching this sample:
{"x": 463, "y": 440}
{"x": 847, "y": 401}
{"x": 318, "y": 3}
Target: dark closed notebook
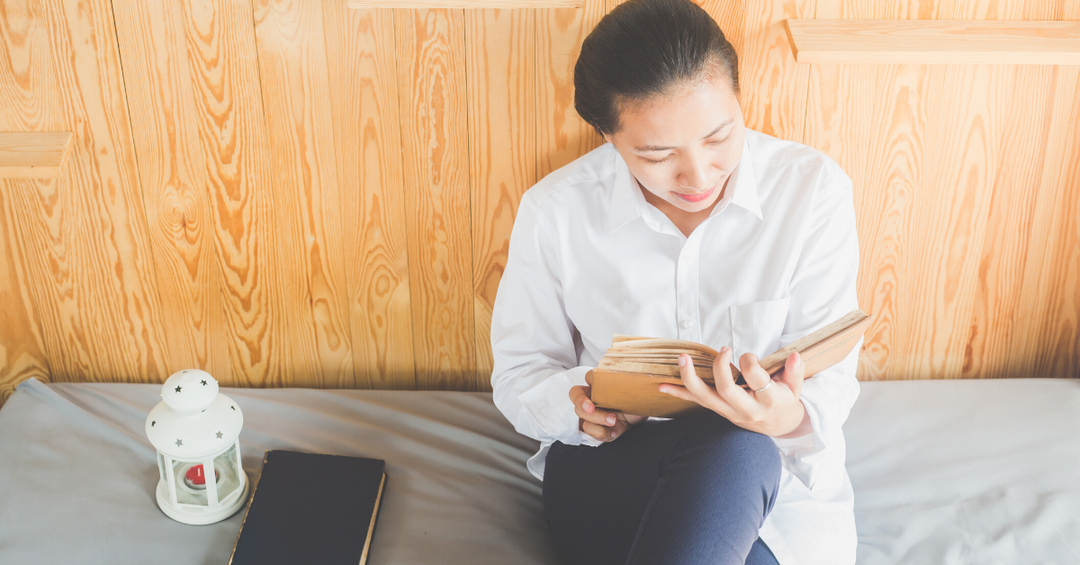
{"x": 311, "y": 508}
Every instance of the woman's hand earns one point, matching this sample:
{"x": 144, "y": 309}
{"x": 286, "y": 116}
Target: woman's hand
{"x": 775, "y": 411}
{"x": 600, "y": 424}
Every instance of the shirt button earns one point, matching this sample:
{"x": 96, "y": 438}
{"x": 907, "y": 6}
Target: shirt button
{"x": 686, "y": 324}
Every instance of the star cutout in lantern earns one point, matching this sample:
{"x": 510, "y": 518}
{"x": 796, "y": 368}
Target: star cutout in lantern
{"x": 179, "y": 442}
{"x": 154, "y": 423}
{"x": 219, "y": 434}
{"x": 204, "y": 383}
{"x": 233, "y": 407}
{"x": 177, "y": 389}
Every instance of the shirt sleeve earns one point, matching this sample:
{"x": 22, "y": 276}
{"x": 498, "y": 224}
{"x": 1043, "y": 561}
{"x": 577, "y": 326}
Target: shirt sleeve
{"x": 823, "y": 290}
{"x": 532, "y": 339}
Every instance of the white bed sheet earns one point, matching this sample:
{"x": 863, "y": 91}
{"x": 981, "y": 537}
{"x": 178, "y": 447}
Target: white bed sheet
{"x": 949, "y": 472}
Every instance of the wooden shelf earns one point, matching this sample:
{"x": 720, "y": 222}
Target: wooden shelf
{"x": 935, "y": 42}
{"x": 39, "y": 154}
{"x": 468, "y": 4}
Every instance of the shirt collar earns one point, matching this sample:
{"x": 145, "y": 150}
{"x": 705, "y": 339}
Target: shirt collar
{"x": 627, "y": 202}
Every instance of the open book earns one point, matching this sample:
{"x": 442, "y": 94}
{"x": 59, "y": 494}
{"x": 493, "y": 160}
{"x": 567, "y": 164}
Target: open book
{"x": 628, "y": 378}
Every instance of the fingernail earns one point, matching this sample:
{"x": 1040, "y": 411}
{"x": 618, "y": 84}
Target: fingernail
{"x": 682, "y": 360}
{"x": 614, "y": 435}
{"x": 587, "y": 407}
{"x": 724, "y": 349}
{"x": 611, "y": 419}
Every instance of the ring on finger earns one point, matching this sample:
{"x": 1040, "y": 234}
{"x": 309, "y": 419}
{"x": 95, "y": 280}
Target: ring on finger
{"x": 764, "y": 387}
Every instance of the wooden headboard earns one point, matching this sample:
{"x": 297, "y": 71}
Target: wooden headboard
{"x": 303, "y": 194}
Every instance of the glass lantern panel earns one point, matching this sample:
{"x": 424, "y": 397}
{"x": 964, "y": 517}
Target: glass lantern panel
{"x": 187, "y": 493}
{"x": 228, "y": 474}
{"x": 161, "y": 468}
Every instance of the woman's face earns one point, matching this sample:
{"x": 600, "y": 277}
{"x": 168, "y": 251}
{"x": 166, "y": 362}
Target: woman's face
{"x": 682, "y": 146}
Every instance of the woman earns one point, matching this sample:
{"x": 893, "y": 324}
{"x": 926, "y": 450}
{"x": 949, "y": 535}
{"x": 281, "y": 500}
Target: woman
{"x": 683, "y": 225}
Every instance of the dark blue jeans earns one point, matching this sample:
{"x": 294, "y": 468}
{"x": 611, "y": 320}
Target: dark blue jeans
{"x": 693, "y": 490}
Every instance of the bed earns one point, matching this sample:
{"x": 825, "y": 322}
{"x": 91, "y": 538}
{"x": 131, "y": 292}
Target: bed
{"x": 946, "y": 472}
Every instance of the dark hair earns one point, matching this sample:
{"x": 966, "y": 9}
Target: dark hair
{"x": 640, "y": 49}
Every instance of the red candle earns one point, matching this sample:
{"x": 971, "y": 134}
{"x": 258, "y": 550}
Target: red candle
{"x": 195, "y": 475}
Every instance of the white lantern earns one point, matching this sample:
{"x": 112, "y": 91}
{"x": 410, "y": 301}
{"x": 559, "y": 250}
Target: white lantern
{"x": 195, "y": 429}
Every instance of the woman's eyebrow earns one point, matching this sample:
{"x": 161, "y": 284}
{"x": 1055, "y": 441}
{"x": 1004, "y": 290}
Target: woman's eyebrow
{"x": 726, "y": 123}
{"x": 647, "y": 148}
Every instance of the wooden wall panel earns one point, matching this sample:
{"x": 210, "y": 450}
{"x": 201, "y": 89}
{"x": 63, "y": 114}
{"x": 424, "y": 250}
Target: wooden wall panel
{"x": 431, "y": 86}
{"x": 500, "y": 66}
{"x": 24, "y": 58}
{"x": 310, "y": 195}
{"x": 174, "y": 182}
{"x": 364, "y": 96}
{"x": 773, "y": 86}
{"x": 261, "y": 309}
{"x": 561, "y": 135}
{"x": 303, "y": 163}
{"x": 22, "y": 354}
{"x": 88, "y": 263}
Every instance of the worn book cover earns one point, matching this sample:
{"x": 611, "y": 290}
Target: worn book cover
{"x": 311, "y": 508}
{"x": 628, "y": 378}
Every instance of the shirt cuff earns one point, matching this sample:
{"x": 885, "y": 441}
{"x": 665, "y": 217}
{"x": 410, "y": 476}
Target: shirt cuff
{"x": 803, "y": 456}
{"x": 549, "y": 405}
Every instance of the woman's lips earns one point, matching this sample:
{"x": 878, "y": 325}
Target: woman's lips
{"x": 696, "y": 196}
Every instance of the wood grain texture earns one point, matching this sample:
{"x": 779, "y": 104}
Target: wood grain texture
{"x": 174, "y": 182}
{"x": 303, "y": 164}
{"x": 87, "y": 251}
{"x": 431, "y": 85}
{"x": 500, "y": 65}
{"x": 934, "y": 42}
{"x": 773, "y": 86}
{"x": 1046, "y": 322}
{"x": 291, "y": 193}
{"x": 561, "y": 135}
{"x": 364, "y": 97}
{"x": 260, "y": 307}
{"x": 22, "y": 354}
{"x": 34, "y": 154}
{"x": 28, "y": 102}
{"x": 465, "y": 4}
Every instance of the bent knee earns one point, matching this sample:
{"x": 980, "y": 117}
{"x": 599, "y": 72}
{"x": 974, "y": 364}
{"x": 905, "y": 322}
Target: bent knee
{"x": 721, "y": 443}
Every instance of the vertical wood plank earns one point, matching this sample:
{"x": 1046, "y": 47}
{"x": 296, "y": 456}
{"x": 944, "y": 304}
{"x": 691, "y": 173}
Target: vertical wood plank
{"x": 501, "y": 93}
{"x": 260, "y": 307}
{"x": 24, "y": 57}
{"x": 872, "y": 120}
{"x": 1047, "y": 319}
{"x": 431, "y": 53}
{"x": 303, "y": 165}
{"x": 773, "y": 85}
{"x": 93, "y": 281}
{"x": 561, "y": 135}
{"x": 364, "y": 99}
{"x": 960, "y": 157}
{"x": 174, "y": 183}
{"x": 22, "y": 354}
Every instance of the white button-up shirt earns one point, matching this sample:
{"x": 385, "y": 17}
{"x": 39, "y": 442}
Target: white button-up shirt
{"x": 776, "y": 259}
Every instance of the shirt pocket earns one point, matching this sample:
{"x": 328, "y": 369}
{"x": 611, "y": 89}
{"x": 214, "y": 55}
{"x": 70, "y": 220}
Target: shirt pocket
{"x": 756, "y": 327}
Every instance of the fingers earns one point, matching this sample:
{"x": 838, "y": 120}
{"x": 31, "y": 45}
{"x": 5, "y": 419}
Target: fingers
{"x": 696, "y": 390}
{"x": 755, "y": 376}
{"x": 793, "y": 373}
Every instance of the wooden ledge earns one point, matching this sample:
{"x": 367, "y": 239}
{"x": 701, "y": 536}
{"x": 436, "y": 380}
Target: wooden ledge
{"x": 39, "y": 154}
{"x": 935, "y": 42}
{"x": 467, "y": 4}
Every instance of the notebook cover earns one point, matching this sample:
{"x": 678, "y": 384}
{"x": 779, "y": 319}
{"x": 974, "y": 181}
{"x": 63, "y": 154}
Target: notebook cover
{"x": 311, "y": 508}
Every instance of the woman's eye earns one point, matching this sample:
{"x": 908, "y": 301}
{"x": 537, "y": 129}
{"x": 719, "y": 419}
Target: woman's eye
{"x": 717, "y": 141}
{"x": 647, "y": 160}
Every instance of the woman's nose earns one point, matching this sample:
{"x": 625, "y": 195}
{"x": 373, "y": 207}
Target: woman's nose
{"x": 695, "y": 174}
